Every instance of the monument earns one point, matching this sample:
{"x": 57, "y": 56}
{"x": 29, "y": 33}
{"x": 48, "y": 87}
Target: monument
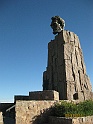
{"x": 65, "y": 78}
{"x": 66, "y": 71}
{"x": 57, "y": 24}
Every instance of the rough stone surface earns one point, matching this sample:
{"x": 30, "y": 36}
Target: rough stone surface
{"x": 20, "y": 97}
{"x": 75, "y": 120}
{"x": 1, "y": 118}
{"x": 33, "y": 112}
{"x": 44, "y": 95}
{"x": 66, "y": 71}
{"x": 39, "y": 95}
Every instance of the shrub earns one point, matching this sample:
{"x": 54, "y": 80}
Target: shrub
{"x": 81, "y": 109}
{"x": 86, "y": 107}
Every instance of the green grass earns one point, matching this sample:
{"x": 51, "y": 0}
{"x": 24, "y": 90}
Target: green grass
{"x": 64, "y": 109}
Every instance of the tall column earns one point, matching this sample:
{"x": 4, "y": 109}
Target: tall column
{"x": 66, "y": 71}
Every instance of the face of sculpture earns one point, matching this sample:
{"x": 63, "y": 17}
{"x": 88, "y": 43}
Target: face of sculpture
{"x": 56, "y": 24}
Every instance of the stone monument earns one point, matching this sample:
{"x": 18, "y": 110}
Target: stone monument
{"x": 65, "y": 77}
{"x": 66, "y": 71}
{"x": 57, "y": 24}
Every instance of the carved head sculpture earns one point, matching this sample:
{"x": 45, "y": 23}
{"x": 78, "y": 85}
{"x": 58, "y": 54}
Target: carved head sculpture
{"x": 57, "y": 24}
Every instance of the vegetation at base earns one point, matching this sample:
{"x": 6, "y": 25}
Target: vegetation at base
{"x": 65, "y": 109}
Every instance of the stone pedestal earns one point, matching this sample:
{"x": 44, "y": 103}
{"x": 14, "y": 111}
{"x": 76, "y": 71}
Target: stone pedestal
{"x": 44, "y": 95}
{"x": 66, "y": 71}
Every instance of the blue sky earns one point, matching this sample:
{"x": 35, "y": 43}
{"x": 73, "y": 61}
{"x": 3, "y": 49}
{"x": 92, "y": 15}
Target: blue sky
{"x": 24, "y": 34}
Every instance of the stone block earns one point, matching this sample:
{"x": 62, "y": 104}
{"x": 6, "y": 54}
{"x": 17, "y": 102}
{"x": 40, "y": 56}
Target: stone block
{"x": 72, "y": 37}
{"x": 33, "y": 112}
{"x": 44, "y": 95}
{"x": 59, "y": 120}
{"x": 1, "y": 118}
{"x": 66, "y": 37}
{"x": 20, "y": 97}
{"x": 71, "y": 120}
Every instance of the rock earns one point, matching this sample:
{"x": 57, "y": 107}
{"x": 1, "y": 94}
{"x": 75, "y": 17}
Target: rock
{"x": 66, "y": 71}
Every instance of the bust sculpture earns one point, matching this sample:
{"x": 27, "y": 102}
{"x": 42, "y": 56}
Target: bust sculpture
{"x": 57, "y": 24}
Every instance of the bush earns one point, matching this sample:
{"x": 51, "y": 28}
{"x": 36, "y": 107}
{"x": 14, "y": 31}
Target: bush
{"x": 86, "y": 108}
{"x": 81, "y": 109}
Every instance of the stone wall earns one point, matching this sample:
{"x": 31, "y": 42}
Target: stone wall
{"x": 66, "y": 71}
{"x": 1, "y": 118}
{"x": 33, "y": 112}
{"x": 35, "y": 108}
{"x": 75, "y": 120}
{"x": 39, "y": 95}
